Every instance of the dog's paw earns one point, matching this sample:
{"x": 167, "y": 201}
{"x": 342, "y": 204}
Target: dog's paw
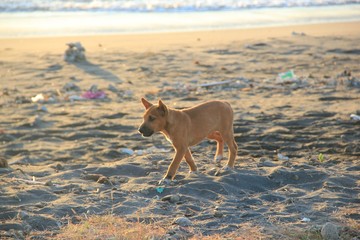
{"x": 218, "y": 158}
{"x": 225, "y": 169}
{"x": 165, "y": 181}
{"x": 194, "y": 174}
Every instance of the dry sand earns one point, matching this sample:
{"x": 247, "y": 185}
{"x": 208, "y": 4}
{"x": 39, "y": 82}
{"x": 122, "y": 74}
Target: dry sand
{"x": 67, "y": 159}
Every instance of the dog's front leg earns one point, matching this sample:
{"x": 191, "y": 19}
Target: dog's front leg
{"x": 190, "y": 161}
{"x": 179, "y": 155}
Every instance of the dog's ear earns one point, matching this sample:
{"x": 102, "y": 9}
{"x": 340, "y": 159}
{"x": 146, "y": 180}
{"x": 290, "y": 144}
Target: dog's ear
{"x": 162, "y": 108}
{"x": 146, "y": 103}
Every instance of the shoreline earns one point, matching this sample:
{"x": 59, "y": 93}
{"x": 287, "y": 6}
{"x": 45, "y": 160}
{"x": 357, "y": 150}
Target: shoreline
{"x": 156, "y": 41}
{"x": 57, "y": 24}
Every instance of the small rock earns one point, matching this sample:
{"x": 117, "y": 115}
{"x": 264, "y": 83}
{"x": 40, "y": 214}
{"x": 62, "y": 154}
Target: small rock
{"x": 171, "y": 198}
{"x": 183, "y": 221}
{"x": 43, "y": 109}
{"x": 330, "y": 232}
{"x": 59, "y": 167}
{"x": 267, "y": 163}
{"x": 218, "y": 214}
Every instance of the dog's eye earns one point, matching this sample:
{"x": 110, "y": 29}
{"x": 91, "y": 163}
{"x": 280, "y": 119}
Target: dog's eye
{"x": 151, "y": 118}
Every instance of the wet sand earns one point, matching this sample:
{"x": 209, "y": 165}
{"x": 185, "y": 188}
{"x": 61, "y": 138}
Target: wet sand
{"x": 299, "y": 150}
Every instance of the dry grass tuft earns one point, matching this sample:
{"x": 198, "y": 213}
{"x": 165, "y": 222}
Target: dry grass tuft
{"x": 110, "y": 227}
{"x": 301, "y": 234}
{"x": 345, "y": 213}
{"x": 113, "y": 227}
{"x": 246, "y": 231}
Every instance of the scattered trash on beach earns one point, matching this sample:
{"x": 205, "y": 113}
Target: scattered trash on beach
{"x": 140, "y": 152}
{"x": 43, "y": 98}
{"x": 160, "y": 189}
{"x": 180, "y": 89}
{"x": 287, "y": 77}
{"x": 127, "y": 151}
{"x": 38, "y": 98}
{"x": 355, "y": 117}
{"x": 75, "y": 52}
{"x": 152, "y": 150}
{"x": 298, "y": 33}
{"x": 305, "y": 219}
{"x": 345, "y": 78}
{"x": 282, "y": 157}
{"x": 123, "y": 94}
{"x": 212, "y": 84}
{"x": 74, "y": 98}
{"x": 94, "y": 93}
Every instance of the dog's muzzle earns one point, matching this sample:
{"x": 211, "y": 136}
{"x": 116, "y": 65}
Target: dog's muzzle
{"x": 145, "y": 131}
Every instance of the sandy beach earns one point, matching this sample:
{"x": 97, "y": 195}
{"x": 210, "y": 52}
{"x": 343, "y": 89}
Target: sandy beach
{"x": 65, "y": 156}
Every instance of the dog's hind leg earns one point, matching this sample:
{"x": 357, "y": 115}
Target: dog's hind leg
{"x": 230, "y": 141}
{"x": 219, "y": 147}
{"x": 190, "y": 161}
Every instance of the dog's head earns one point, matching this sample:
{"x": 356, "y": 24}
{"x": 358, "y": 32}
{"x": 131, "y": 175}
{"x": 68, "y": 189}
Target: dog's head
{"x": 155, "y": 117}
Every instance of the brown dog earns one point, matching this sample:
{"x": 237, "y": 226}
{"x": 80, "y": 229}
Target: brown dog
{"x": 187, "y": 127}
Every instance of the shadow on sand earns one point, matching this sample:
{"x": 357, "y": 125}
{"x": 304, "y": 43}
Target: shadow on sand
{"x": 96, "y": 70}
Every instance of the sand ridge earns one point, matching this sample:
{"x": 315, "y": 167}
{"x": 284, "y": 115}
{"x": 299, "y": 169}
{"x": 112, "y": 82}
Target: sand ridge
{"x": 67, "y": 158}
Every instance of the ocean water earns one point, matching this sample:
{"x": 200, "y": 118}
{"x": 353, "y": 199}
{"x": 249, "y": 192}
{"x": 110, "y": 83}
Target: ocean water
{"x": 33, "y": 18}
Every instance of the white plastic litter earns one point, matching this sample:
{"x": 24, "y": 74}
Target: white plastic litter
{"x": 127, "y": 151}
{"x": 282, "y": 157}
{"x": 355, "y": 117}
{"x": 38, "y": 98}
{"x": 305, "y": 219}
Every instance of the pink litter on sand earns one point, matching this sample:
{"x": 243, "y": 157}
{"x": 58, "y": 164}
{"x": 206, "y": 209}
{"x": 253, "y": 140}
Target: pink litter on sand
{"x": 94, "y": 95}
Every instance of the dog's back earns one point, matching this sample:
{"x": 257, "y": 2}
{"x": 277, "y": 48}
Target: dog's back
{"x": 209, "y": 117}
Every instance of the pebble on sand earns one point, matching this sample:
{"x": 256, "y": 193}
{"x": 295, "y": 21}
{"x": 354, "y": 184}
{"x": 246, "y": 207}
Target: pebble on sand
{"x": 171, "y": 198}
{"x": 183, "y": 221}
